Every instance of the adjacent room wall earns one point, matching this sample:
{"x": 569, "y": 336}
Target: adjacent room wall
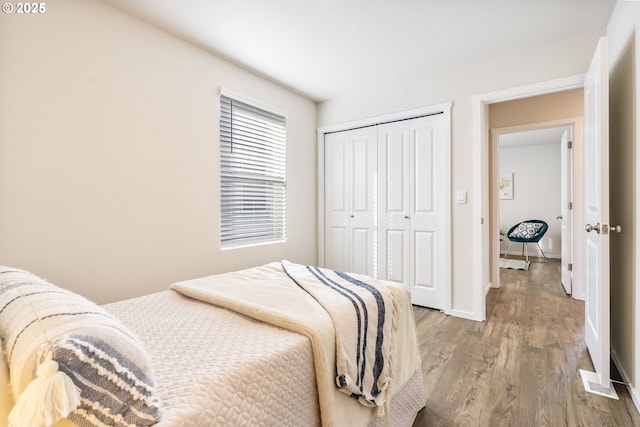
{"x": 562, "y": 58}
{"x": 109, "y": 180}
{"x": 536, "y": 194}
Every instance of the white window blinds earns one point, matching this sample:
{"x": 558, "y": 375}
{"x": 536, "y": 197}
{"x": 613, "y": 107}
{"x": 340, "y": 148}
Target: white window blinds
{"x": 252, "y": 174}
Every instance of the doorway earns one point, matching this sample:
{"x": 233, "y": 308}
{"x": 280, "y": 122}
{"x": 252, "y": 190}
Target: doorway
{"x": 574, "y": 199}
{"x": 534, "y": 165}
{"x": 486, "y": 232}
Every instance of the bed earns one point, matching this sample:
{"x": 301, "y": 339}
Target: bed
{"x": 236, "y": 356}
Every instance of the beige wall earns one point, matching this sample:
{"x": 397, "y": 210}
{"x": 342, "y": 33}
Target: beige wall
{"x": 544, "y": 108}
{"x": 562, "y": 58}
{"x": 624, "y": 97}
{"x": 536, "y": 168}
{"x": 109, "y": 179}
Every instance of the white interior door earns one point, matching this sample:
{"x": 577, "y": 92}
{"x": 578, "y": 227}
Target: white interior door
{"x": 566, "y": 211}
{"x": 597, "y": 321}
{"x": 350, "y": 200}
{"x": 364, "y": 162}
{"x": 393, "y": 194}
{"x": 411, "y": 221}
{"x": 427, "y": 230}
{"x": 337, "y": 194}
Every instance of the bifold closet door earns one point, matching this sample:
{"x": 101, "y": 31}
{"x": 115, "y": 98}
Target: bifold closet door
{"x": 350, "y": 207}
{"x": 394, "y": 210}
{"x": 411, "y": 223}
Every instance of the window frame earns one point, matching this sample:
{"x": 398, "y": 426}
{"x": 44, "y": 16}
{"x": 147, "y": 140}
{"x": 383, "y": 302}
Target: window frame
{"x": 253, "y": 179}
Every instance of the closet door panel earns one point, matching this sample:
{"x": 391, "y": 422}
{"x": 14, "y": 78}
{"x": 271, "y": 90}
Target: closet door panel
{"x": 337, "y": 178}
{"x": 395, "y": 147}
{"x": 350, "y": 207}
{"x": 337, "y": 248}
{"x": 395, "y": 260}
{"x": 424, "y": 167}
{"x": 362, "y": 175}
{"x": 393, "y": 190}
{"x": 337, "y": 200}
{"x": 364, "y": 160}
{"x": 427, "y": 229}
{"x": 423, "y": 250}
{"x": 361, "y": 243}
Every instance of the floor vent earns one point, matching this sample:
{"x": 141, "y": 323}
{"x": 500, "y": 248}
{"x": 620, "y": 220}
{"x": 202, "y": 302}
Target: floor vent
{"x": 592, "y": 385}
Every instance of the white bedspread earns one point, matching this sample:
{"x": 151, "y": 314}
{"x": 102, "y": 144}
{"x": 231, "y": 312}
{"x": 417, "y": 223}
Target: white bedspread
{"x": 214, "y": 367}
{"x": 266, "y": 293}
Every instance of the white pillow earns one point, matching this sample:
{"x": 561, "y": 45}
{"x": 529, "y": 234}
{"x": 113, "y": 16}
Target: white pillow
{"x": 68, "y": 357}
{"x": 526, "y": 230}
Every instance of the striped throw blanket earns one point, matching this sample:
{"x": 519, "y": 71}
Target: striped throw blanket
{"x": 362, "y": 312}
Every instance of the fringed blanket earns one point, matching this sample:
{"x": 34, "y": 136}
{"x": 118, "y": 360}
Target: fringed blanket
{"x": 268, "y": 294}
{"x": 362, "y": 316}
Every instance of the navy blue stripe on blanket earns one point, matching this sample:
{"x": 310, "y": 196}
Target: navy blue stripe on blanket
{"x": 379, "y": 356}
{"x": 379, "y": 361}
{"x": 361, "y": 342}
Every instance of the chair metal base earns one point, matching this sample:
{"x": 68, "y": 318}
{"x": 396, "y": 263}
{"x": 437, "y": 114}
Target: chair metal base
{"x": 525, "y": 251}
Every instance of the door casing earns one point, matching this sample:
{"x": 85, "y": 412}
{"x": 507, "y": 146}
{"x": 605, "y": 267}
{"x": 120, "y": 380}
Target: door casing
{"x": 481, "y": 150}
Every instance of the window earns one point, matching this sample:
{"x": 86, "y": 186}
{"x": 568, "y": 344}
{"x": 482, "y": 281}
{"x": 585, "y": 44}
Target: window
{"x": 252, "y": 174}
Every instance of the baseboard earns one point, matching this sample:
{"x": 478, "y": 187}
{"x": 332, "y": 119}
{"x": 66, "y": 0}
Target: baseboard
{"x": 532, "y": 254}
{"x": 635, "y": 396}
{"x": 487, "y": 289}
{"x": 619, "y": 367}
{"x": 634, "y": 392}
{"x": 464, "y": 315}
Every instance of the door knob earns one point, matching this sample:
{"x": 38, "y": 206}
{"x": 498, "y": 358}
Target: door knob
{"x": 591, "y": 228}
{"x": 606, "y": 229}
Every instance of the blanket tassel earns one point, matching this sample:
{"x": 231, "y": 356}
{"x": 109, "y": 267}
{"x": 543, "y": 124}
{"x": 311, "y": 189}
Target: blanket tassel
{"x": 383, "y": 411}
{"x": 51, "y": 396}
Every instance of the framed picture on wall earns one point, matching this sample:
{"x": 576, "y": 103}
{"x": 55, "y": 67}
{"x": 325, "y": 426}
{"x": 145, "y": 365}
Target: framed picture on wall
{"x": 505, "y": 186}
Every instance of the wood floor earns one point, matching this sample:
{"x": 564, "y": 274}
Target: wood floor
{"x": 518, "y": 368}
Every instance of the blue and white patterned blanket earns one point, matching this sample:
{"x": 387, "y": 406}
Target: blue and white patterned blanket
{"x": 362, "y": 313}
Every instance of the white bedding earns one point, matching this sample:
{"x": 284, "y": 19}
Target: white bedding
{"x": 267, "y": 293}
{"x": 215, "y": 367}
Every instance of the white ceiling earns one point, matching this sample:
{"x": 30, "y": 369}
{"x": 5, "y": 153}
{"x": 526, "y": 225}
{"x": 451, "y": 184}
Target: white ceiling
{"x": 326, "y": 48}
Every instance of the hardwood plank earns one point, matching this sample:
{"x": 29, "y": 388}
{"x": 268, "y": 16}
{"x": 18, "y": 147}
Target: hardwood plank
{"x": 518, "y": 368}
